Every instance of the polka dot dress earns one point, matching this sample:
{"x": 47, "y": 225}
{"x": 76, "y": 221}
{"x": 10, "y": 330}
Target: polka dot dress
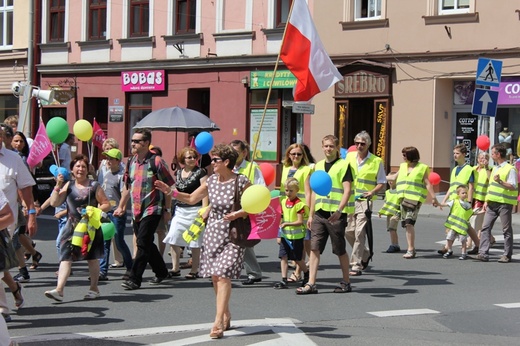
{"x": 219, "y": 257}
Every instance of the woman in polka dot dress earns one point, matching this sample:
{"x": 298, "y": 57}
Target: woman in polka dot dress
{"x": 220, "y": 259}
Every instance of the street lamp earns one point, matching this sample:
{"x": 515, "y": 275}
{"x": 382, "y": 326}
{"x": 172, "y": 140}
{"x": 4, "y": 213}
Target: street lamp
{"x": 26, "y": 92}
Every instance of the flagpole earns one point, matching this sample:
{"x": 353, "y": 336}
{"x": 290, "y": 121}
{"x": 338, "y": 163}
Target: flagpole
{"x": 255, "y": 144}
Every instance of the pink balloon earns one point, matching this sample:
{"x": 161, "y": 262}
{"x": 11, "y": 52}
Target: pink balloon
{"x": 483, "y": 142}
{"x": 268, "y": 172}
{"x": 434, "y": 178}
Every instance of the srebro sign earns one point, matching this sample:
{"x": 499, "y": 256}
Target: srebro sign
{"x": 151, "y": 80}
{"x": 362, "y": 84}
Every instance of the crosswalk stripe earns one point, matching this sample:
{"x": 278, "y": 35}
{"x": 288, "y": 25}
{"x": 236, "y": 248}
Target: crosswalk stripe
{"x": 509, "y": 305}
{"x": 407, "y": 312}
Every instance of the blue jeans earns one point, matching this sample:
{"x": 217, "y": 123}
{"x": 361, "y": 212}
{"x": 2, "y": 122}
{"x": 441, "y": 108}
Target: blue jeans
{"x": 120, "y": 224}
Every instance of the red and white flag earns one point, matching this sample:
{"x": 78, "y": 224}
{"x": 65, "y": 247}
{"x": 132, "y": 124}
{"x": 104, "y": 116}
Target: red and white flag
{"x": 98, "y": 135}
{"x": 40, "y": 148}
{"x": 304, "y": 54}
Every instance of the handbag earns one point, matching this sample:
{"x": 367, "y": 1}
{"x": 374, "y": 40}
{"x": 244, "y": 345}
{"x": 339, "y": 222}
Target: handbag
{"x": 8, "y": 257}
{"x": 409, "y": 203}
{"x": 239, "y": 229}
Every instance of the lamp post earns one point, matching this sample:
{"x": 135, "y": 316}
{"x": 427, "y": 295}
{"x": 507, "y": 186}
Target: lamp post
{"x": 26, "y": 92}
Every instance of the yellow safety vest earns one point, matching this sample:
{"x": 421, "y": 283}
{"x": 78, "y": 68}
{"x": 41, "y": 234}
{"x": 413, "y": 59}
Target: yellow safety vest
{"x": 366, "y": 177}
{"x": 498, "y": 193}
{"x": 458, "y": 220}
{"x": 461, "y": 179}
{"x": 331, "y": 202}
{"x": 411, "y": 186}
{"x": 481, "y": 185}
{"x": 249, "y": 172}
{"x": 301, "y": 175}
{"x": 392, "y": 205}
{"x": 291, "y": 215}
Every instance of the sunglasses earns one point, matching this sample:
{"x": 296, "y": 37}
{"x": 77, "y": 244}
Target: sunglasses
{"x": 362, "y": 144}
{"x": 216, "y": 159}
{"x": 295, "y": 154}
{"x": 136, "y": 141}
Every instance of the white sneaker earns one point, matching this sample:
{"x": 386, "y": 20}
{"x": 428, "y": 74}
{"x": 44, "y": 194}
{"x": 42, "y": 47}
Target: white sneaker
{"x": 53, "y": 294}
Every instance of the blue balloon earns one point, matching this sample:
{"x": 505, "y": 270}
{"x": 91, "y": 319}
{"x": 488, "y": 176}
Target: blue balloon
{"x": 204, "y": 142}
{"x": 343, "y": 153}
{"x": 321, "y": 183}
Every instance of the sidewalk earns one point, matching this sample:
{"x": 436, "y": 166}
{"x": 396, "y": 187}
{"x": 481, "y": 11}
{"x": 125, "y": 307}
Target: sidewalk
{"x": 428, "y": 210}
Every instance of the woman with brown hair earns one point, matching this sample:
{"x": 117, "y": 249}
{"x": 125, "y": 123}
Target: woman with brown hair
{"x": 78, "y": 193}
{"x": 412, "y": 186}
{"x": 220, "y": 259}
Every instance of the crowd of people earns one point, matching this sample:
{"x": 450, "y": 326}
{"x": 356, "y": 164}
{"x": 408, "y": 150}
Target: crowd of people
{"x": 160, "y": 198}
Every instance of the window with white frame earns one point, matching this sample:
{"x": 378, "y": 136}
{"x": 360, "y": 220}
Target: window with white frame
{"x": 139, "y": 18}
{"x": 281, "y": 12}
{"x": 454, "y": 6}
{"x": 6, "y": 23}
{"x": 97, "y": 19}
{"x": 57, "y": 20}
{"x": 367, "y": 9}
{"x": 186, "y": 11}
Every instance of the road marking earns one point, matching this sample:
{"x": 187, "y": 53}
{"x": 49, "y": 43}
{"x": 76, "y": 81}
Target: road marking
{"x": 284, "y": 328}
{"x": 509, "y": 305}
{"x": 409, "y": 312}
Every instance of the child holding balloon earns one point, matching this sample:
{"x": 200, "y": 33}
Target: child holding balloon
{"x": 292, "y": 232}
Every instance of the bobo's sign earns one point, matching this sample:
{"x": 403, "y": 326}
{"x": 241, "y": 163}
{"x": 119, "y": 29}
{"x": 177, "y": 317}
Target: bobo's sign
{"x": 151, "y": 80}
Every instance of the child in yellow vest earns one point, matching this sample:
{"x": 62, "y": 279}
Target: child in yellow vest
{"x": 392, "y": 210}
{"x": 292, "y": 231}
{"x": 457, "y": 223}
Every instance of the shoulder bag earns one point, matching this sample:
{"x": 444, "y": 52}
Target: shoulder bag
{"x": 8, "y": 257}
{"x": 239, "y": 229}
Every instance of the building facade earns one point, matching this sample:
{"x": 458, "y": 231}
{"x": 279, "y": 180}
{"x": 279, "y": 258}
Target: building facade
{"x": 409, "y": 72}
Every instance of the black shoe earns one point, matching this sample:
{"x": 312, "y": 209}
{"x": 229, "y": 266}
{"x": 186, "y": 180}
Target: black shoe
{"x": 473, "y": 251}
{"x": 251, "y": 281}
{"x": 157, "y": 280}
{"x": 103, "y": 277}
{"x": 130, "y": 285}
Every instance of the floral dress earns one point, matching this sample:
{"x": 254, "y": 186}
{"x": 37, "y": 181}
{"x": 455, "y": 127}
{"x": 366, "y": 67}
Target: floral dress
{"x": 219, "y": 256}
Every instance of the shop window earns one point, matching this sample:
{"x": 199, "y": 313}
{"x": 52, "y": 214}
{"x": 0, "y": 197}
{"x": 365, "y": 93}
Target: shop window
{"x": 139, "y": 18}
{"x": 8, "y": 106}
{"x": 57, "y": 20}
{"x": 282, "y": 8}
{"x": 367, "y": 9}
{"x": 139, "y": 106}
{"x": 97, "y": 20}
{"x": 258, "y": 97}
{"x": 6, "y": 24}
{"x": 185, "y": 16}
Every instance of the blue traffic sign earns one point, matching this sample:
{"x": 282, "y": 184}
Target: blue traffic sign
{"x": 485, "y": 102}
{"x": 489, "y": 72}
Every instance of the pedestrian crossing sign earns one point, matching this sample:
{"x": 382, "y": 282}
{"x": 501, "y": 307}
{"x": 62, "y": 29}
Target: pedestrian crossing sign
{"x": 489, "y": 72}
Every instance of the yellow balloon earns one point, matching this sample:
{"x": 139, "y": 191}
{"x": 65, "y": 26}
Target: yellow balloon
{"x": 83, "y": 130}
{"x": 255, "y": 199}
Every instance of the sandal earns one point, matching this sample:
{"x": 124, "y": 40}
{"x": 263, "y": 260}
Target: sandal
{"x": 18, "y": 297}
{"x": 409, "y": 254}
{"x": 36, "y": 260}
{"x": 186, "y": 265}
{"x": 355, "y": 273}
{"x": 344, "y": 287}
{"x": 172, "y": 273}
{"x": 307, "y": 289}
{"x": 92, "y": 295}
{"x": 281, "y": 285}
{"x": 192, "y": 276}
{"x": 294, "y": 278}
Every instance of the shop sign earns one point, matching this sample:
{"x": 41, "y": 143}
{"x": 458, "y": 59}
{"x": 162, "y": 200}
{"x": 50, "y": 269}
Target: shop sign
{"x": 283, "y": 79}
{"x": 150, "y": 80}
{"x": 267, "y": 141}
{"x": 508, "y": 92}
{"x": 116, "y": 114}
{"x": 63, "y": 96}
{"x": 466, "y": 133}
{"x": 363, "y": 84}
{"x": 380, "y": 135}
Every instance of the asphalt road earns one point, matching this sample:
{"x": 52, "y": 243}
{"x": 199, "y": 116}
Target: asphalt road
{"x": 428, "y": 300}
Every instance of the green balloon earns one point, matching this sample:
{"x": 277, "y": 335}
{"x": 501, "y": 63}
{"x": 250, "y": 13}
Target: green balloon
{"x": 275, "y": 193}
{"x": 109, "y": 229}
{"x": 57, "y": 130}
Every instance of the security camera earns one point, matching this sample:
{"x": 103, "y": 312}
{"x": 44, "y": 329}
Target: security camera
{"x": 16, "y": 88}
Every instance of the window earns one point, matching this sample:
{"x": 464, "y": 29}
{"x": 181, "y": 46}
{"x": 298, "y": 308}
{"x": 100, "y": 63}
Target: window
{"x": 453, "y": 6}
{"x": 186, "y": 16}
{"x": 57, "y": 20}
{"x": 139, "y": 18}
{"x": 97, "y": 19}
{"x": 368, "y": 9}
{"x": 139, "y": 106}
{"x": 282, "y": 12}
{"x": 6, "y": 23}
{"x": 9, "y": 105}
